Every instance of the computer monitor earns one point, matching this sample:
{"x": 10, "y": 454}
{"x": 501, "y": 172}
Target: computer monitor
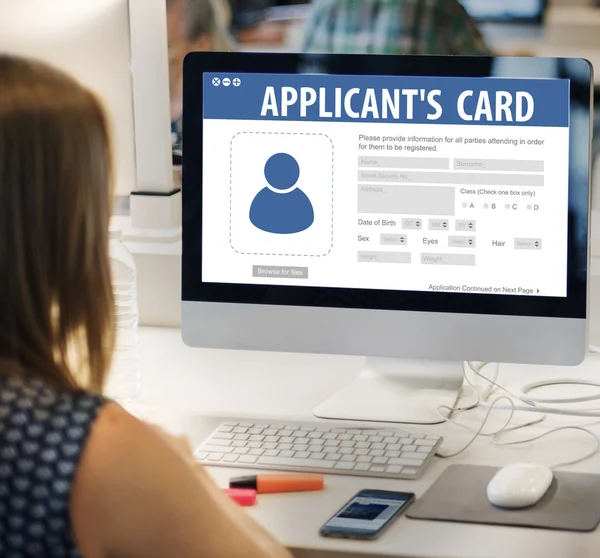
{"x": 395, "y": 207}
{"x": 527, "y": 11}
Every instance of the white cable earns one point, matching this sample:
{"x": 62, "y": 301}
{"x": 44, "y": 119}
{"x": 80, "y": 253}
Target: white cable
{"x": 594, "y": 349}
{"x": 531, "y": 406}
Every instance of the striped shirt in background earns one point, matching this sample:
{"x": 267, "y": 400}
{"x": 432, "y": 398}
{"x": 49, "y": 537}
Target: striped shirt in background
{"x": 392, "y": 27}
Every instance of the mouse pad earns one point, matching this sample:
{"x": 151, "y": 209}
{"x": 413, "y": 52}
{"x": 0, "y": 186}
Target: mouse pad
{"x": 571, "y": 504}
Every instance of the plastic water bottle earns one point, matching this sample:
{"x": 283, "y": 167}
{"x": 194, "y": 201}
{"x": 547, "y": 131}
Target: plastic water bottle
{"x": 124, "y": 383}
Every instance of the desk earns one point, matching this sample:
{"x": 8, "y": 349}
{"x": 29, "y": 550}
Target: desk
{"x": 182, "y": 382}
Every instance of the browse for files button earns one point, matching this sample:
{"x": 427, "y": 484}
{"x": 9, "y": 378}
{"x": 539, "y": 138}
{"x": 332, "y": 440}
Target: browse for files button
{"x": 280, "y": 272}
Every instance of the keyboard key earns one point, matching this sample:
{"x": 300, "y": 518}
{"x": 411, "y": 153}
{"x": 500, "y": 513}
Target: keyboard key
{"x": 218, "y": 442}
{"x": 345, "y": 451}
{"x": 424, "y": 449}
{"x": 271, "y": 439}
{"x": 377, "y": 469}
{"x": 347, "y": 444}
{"x": 216, "y": 449}
{"x": 240, "y": 430}
{"x": 242, "y": 437}
{"x": 332, "y": 443}
{"x": 380, "y": 460}
{"x": 256, "y": 438}
{"x": 317, "y": 455}
{"x": 223, "y": 436}
{"x": 361, "y": 451}
{"x": 315, "y": 434}
{"x": 287, "y": 454}
{"x": 405, "y": 462}
{"x": 302, "y": 455}
{"x": 394, "y": 447}
{"x": 345, "y": 465}
{"x": 392, "y": 454}
{"x": 231, "y": 458}
{"x": 239, "y": 444}
{"x": 362, "y": 467}
{"x": 408, "y": 441}
{"x": 270, "y": 432}
{"x": 426, "y": 442}
{"x": 272, "y": 453}
{"x": 285, "y": 432}
{"x": 376, "y": 453}
{"x": 413, "y": 455}
{"x": 333, "y": 456}
{"x": 364, "y": 459}
{"x": 299, "y": 434}
{"x": 286, "y": 440}
{"x": 284, "y": 447}
{"x": 254, "y": 445}
{"x": 394, "y": 469}
{"x": 241, "y": 451}
{"x": 269, "y": 445}
{"x": 344, "y": 437}
{"x": 301, "y": 447}
{"x": 255, "y": 431}
{"x": 319, "y": 442}
{"x": 362, "y": 445}
{"x": 201, "y": 455}
{"x": 375, "y": 439}
{"x": 214, "y": 457}
{"x": 256, "y": 452}
{"x": 378, "y": 446}
{"x": 348, "y": 457}
{"x": 303, "y": 463}
{"x": 250, "y": 459}
{"x": 330, "y": 436}
{"x": 391, "y": 440}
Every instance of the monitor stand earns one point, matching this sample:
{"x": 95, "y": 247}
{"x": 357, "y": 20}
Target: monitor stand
{"x": 397, "y": 391}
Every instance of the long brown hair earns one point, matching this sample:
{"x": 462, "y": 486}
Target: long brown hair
{"x": 56, "y": 303}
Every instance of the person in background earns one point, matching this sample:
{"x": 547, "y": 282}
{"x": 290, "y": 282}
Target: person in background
{"x": 78, "y": 475}
{"x": 392, "y": 27}
{"x": 192, "y": 25}
{"x": 249, "y": 22}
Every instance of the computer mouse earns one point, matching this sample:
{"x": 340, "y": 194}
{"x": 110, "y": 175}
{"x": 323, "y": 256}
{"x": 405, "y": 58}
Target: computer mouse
{"x": 519, "y": 485}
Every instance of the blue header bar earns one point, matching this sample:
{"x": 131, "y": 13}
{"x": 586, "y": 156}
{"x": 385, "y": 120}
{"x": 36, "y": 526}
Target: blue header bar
{"x": 387, "y": 99}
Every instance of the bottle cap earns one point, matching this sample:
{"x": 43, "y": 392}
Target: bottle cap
{"x": 115, "y": 232}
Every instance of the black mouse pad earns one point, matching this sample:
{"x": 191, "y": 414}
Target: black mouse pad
{"x": 571, "y": 504}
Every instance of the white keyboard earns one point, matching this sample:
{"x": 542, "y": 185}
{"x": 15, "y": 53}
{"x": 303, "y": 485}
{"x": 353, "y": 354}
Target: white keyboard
{"x": 373, "y": 452}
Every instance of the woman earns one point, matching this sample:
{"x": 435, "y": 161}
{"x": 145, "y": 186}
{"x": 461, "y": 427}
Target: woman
{"x": 78, "y": 475}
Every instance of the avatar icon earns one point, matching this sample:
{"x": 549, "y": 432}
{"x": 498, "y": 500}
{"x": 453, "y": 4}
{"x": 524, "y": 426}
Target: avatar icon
{"x": 281, "y": 207}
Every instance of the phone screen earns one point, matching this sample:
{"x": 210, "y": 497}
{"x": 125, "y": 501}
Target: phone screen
{"x": 367, "y": 513}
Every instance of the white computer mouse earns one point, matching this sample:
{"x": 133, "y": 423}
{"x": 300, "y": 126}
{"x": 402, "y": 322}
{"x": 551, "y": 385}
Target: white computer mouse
{"x": 519, "y": 485}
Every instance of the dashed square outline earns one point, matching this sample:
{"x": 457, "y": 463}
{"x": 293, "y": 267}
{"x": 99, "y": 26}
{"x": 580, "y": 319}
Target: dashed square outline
{"x": 231, "y": 193}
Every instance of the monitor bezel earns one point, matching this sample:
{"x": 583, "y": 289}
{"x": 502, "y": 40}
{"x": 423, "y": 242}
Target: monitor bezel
{"x": 574, "y": 305}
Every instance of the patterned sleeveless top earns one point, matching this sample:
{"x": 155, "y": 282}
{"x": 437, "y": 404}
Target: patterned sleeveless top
{"x": 42, "y": 434}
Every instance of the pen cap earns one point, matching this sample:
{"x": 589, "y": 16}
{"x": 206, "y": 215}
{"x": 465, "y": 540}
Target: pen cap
{"x": 272, "y": 484}
{"x": 242, "y": 496}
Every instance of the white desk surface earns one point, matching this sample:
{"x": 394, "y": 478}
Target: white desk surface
{"x": 180, "y": 383}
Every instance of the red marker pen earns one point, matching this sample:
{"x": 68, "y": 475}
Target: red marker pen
{"x": 242, "y": 496}
{"x": 272, "y": 484}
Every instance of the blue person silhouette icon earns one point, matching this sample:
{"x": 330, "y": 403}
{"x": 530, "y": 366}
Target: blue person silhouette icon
{"x": 282, "y": 207}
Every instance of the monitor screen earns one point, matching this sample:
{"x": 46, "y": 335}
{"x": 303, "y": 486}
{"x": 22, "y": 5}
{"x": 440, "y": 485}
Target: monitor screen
{"x": 505, "y": 10}
{"x": 400, "y": 183}
{"x": 427, "y": 184}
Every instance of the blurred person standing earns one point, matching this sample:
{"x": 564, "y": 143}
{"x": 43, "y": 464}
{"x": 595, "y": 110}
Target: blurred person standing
{"x": 192, "y": 25}
{"x": 392, "y": 27}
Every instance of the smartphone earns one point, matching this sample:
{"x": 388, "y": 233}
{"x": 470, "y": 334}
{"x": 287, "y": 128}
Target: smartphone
{"x": 367, "y": 514}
